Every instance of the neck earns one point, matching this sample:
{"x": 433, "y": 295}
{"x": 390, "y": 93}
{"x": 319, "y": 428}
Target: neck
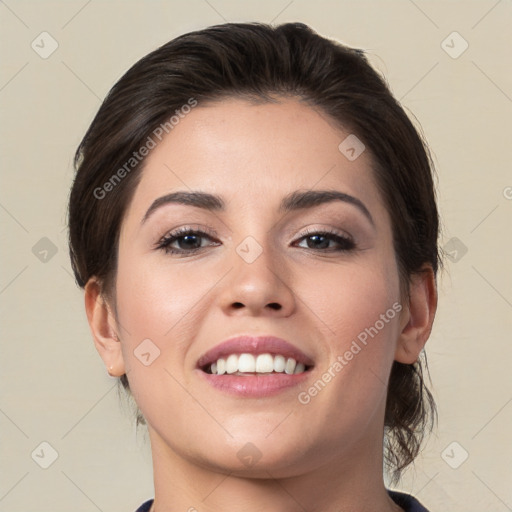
{"x": 348, "y": 483}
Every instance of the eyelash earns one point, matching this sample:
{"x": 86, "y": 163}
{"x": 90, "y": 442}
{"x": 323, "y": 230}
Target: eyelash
{"x": 346, "y": 243}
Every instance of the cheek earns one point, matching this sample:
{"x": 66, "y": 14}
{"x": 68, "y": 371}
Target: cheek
{"x": 157, "y": 312}
{"x": 154, "y": 298}
{"x": 360, "y": 313}
{"x": 348, "y": 300}
{"x": 160, "y": 307}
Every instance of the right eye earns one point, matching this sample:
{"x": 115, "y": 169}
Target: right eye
{"x": 187, "y": 239}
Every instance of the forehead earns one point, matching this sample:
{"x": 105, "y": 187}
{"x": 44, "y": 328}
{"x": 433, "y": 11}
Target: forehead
{"x": 253, "y": 154}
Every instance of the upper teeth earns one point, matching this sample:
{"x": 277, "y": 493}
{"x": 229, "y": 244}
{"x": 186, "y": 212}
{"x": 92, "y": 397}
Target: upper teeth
{"x": 263, "y": 363}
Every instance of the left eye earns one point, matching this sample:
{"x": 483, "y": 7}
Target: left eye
{"x": 321, "y": 240}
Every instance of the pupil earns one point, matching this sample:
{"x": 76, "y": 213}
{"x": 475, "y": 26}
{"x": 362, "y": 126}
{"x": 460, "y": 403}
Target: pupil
{"x": 316, "y": 237}
{"x": 190, "y": 241}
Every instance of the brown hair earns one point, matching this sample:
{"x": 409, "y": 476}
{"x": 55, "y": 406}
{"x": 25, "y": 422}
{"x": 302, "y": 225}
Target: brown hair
{"x": 256, "y": 61}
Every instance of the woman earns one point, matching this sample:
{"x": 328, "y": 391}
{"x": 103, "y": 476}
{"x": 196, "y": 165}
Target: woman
{"x": 253, "y": 221}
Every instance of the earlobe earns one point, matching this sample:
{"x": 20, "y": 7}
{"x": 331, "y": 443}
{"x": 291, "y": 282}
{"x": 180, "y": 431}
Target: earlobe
{"x": 103, "y": 328}
{"x": 418, "y": 316}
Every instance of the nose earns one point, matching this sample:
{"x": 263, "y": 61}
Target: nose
{"x": 258, "y": 287}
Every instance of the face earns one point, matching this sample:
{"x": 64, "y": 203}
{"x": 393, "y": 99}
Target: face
{"x": 321, "y": 275}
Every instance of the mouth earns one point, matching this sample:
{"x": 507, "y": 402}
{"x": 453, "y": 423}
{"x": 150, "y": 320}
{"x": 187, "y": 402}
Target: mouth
{"x": 247, "y": 364}
{"x": 254, "y": 355}
{"x": 254, "y": 366}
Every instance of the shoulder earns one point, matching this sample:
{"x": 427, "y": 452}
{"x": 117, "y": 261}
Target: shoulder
{"x": 407, "y": 502}
{"x": 145, "y": 506}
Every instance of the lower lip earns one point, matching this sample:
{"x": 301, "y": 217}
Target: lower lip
{"x": 257, "y": 385}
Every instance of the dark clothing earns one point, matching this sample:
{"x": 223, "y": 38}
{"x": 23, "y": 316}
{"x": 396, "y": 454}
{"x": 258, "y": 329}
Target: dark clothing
{"x": 406, "y": 501}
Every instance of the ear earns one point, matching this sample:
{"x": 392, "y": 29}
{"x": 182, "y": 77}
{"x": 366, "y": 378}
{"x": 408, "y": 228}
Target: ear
{"x": 418, "y": 316}
{"x": 103, "y": 328}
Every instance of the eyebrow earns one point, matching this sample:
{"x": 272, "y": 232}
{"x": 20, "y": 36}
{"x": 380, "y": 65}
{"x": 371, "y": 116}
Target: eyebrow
{"x": 295, "y": 201}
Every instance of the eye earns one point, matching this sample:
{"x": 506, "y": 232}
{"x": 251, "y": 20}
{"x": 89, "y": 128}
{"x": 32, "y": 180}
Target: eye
{"x": 188, "y": 241}
{"x": 320, "y": 240}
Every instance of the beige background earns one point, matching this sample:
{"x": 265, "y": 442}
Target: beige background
{"x": 54, "y": 386}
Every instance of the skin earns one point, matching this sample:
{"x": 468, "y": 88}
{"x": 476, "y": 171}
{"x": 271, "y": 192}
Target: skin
{"x": 322, "y": 456}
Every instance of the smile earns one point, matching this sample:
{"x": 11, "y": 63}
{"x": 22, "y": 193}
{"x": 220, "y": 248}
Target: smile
{"x": 249, "y": 364}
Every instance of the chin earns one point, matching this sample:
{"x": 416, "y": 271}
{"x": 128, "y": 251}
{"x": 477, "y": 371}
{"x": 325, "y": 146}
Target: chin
{"x": 257, "y": 456}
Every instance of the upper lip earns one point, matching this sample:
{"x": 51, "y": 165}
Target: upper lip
{"x": 255, "y": 345}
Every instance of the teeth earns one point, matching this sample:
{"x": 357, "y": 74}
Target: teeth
{"x": 232, "y": 363}
{"x": 279, "y": 363}
{"x": 246, "y": 363}
{"x": 262, "y": 363}
{"x": 290, "y": 365}
{"x": 299, "y": 368}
